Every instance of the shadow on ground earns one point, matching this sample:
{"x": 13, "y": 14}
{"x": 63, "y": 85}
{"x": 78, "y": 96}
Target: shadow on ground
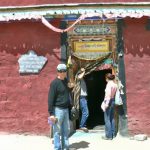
{"x": 81, "y": 144}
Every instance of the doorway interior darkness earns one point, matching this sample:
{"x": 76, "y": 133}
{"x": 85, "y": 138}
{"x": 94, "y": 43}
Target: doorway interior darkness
{"x": 96, "y": 84}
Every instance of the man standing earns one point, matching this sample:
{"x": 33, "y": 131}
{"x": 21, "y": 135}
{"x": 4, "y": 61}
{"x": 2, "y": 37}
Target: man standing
{"x": 58, "y": 108}
{"x": 83, "y": 102}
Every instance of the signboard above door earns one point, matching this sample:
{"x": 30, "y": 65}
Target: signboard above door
{"x": 90, "y": 50}
{"x": 101, "y": 29}
{"x": 91, "y": 46}
{"x": 93, "y": 39}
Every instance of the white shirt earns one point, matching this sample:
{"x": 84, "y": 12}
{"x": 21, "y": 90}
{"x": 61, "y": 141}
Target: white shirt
{"x": 110, "y": 90}
{"x": 83, "y": 88}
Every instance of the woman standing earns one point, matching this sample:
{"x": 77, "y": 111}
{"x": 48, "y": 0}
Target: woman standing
{"x": 108, "y": 107}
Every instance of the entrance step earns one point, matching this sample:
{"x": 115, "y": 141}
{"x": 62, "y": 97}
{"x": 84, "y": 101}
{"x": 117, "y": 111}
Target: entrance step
{"x": 100, "y": 127}
{"x": 97, "y": 131}
{"x": 91, "y": 134}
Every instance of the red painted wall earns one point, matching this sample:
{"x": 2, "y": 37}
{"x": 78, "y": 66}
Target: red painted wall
{"x": 39, "y": 2}
{"x": 137, "y": 64}
{"x": 23, "y": 99}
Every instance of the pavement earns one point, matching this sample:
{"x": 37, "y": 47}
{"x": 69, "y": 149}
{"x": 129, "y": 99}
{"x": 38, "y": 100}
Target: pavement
{"x": 79, "y": 140}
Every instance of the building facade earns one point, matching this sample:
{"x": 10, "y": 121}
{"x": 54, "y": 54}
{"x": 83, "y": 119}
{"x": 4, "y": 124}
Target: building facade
{"x": 62, "y": 29}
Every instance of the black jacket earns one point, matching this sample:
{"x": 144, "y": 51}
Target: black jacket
{"x": 58, "y": 95}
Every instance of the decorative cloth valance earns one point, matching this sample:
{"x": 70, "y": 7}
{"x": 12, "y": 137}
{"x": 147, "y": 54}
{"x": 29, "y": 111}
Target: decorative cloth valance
{"x": 105, "y": 12}
{"x": 102, "y": 13}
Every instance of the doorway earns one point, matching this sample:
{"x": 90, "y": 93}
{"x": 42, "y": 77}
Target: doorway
{"x": 96, "y": 84}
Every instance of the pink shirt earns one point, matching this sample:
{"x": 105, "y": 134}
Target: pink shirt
{"x": 110, "y": 90}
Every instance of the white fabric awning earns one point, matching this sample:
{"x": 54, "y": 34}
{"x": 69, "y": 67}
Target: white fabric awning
{"x": 107, "y": 12}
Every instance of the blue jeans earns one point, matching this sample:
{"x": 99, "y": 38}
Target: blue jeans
{"x": 84, "y": 110}
{"x": 109, "y": 120}
{"x": 61, "y": 129}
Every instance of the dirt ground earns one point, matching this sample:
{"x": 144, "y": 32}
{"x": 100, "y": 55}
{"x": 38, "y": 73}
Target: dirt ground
{"x": 79, "y": 140}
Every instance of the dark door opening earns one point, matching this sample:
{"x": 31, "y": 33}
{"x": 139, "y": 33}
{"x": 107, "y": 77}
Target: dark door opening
{"x": 96, "y": 84}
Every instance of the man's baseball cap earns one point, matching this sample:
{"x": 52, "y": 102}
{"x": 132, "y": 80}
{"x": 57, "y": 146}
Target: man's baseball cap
{"x": 61, "y": 67}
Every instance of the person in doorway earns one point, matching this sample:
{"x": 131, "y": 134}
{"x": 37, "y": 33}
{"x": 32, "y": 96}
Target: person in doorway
{"x": 58, "y": 108}
{"x": 83, "y": 102}
{"x": 108, "y": 106}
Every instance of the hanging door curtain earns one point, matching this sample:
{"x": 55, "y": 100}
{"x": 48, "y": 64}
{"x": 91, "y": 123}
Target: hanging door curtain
{"x": 20, "y": 13}
{"x": 89, "y": 67}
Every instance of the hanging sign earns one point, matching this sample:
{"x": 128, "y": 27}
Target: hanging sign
{"x": 91, "y": 50}
{"x": 91, "y": 46}
{"x": 93, "y": 29}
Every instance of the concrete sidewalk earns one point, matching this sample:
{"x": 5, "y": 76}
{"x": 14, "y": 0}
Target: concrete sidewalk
{"x": 79, "y": 140}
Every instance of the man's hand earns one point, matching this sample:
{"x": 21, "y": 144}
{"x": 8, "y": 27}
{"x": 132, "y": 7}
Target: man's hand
{"x": 53, "y": 119}
{"x": 81, "y": 75}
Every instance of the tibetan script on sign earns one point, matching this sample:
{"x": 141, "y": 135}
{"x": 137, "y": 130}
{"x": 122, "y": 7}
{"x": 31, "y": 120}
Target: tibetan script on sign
{"x": 91, "y": 50}
{"x": 31, "y": 63}
{"x": 91, "y": 46}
